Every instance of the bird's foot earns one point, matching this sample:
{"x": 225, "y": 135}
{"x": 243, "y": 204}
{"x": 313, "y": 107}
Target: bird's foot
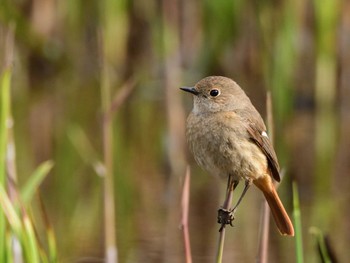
{"x": 225, "y": 217}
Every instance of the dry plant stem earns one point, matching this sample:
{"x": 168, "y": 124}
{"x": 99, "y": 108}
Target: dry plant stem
{"x": 120, "y": 97}
{"x": 109, "y": 108}
{"x": 185, "y": 209}
{"x": 265, "y": 213}
{"x": 11, "y": 149}
{"x": 9, "y": 47}
{"x": 226, "y": 206}
{"x": 111, "y": 253}
{"x": 171, "y": 14}
{"x": 264, "y": 234}
{"x": 49, "y": 230}
{"x": 109, "y": 210}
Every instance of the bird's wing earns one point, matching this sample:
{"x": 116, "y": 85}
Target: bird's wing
{"x": 257, "y": 133}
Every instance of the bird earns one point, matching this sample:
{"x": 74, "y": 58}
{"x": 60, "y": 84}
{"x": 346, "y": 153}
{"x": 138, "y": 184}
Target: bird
{"x": 228, "y": 138}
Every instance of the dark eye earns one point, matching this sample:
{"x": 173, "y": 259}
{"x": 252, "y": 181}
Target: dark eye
{"x": 214, "y": 92}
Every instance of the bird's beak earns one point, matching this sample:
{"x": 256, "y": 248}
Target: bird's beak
{"x": 190, "y": 90}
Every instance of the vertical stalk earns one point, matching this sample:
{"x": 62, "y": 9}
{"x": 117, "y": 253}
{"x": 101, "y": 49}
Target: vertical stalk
{"x": 265, "y": 213}
{"x": 5, "y": 109}
{"x": 298, "y": 227}
{"x": 172, "y": 73}
{"x": 185, "y": 200}
{"x": 226, "y": 206}
{"x": 5, "y": 122}
{"x": 111, "y": 253}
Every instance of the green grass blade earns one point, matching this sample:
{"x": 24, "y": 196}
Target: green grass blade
{"x": 297, "y": 225}
{"x": 10, "y": 211}
{"x": 50, "y": 235}
{"x": 321, "y": 244}
{"x": 3, "y": 246}
{"x": 10, "y": 255}
{"x": 15, "y": 224}
{"x": 34, "y": 181}
{"x": 83, "y": 146}
{"x": 52, "y": 245}
{"x": 32, "y": 249}
{"x": 5, "y": 110}
{"x": 5, "y": 84}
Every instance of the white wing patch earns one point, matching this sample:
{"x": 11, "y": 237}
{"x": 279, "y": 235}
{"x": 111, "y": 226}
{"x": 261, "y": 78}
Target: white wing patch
{"x": 264, "y": 134}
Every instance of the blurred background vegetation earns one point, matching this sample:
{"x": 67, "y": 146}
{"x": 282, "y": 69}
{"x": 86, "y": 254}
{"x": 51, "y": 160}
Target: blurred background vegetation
{"x": 72, "y": 57}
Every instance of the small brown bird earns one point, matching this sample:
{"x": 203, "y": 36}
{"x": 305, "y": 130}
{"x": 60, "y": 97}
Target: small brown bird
{"x": 227, "y": 137}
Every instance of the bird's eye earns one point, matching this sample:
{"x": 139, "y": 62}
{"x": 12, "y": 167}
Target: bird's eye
{"x": 214, "y": 92}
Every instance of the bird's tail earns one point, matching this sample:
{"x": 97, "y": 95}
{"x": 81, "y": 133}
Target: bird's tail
{"x": 279, "y": 214}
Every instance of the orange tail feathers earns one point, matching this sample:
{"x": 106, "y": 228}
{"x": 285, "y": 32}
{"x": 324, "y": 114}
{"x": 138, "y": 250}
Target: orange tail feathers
{"x": 279, "y": 214}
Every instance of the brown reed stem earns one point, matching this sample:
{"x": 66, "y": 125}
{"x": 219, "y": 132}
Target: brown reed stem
{"x": 111, "y": 252}
{"x": 185, "y": 200}
{"x": 225, "y": 206}
{"x": 265, "y": 212}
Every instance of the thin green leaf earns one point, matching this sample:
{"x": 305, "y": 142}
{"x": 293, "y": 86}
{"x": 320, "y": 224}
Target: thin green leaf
{"x": 2, "y": 238}
{"x": 297, "y": 223}
{"x": 10, "y": 211}
{"x": 83, "y": 146}
{"x": 5, "y": 84}
{"x": 321, "y": 244}
{"x": 9, "y": 255}
{"x": 5, "y": 109}
{"x": 34, "y": 181}
{"x": 52, "y": 245}
{"x": 32, "y": 249}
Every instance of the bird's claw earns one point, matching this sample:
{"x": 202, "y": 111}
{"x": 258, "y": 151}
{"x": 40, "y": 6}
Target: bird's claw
{"x": 225, "y": 217}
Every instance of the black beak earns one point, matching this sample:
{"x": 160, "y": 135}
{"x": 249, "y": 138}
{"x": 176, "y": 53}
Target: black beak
{"x": 190, "y": 90}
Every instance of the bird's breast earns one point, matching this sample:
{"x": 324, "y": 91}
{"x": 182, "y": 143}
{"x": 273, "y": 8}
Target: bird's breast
{"x": 221, "y": 145}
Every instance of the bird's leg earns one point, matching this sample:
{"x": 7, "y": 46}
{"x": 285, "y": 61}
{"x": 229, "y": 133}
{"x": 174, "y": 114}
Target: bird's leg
{"x": 225, "y": 215}
{"x": 248, "y": 183}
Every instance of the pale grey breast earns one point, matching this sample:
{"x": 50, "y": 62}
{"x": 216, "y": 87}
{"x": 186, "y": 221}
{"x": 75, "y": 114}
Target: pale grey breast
{"x": 217, "y": 142}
